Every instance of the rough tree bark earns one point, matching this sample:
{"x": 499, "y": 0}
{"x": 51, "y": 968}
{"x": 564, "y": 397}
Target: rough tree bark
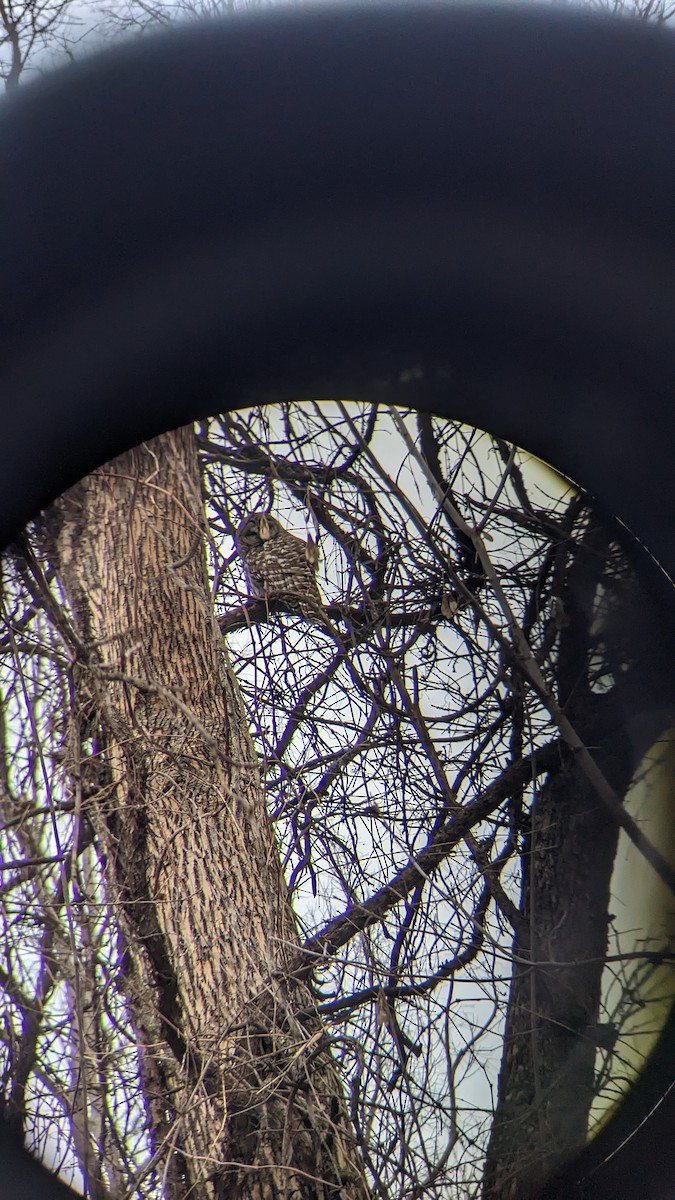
{"x": 241, "y": 1092}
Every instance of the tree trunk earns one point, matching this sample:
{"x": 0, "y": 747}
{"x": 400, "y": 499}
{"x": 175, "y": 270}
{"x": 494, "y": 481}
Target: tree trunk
{"x": 546, "y": 1083}
{"x": 552, "y": 1028}
{"x": 242, "y": 1095}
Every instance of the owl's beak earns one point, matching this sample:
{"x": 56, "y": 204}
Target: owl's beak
{"x": 264, "y": 529}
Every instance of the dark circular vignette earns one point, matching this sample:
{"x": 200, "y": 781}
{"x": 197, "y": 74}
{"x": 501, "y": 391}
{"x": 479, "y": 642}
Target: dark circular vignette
{"x": 466, "y": 210}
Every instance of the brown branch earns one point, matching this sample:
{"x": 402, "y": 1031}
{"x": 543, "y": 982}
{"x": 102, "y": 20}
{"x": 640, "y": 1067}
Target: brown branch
{"x": 361, "y": 916}
{"x": 257, "y": 611}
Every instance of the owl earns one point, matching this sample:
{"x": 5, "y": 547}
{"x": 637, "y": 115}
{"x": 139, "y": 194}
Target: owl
{"x": 279, "y": 565}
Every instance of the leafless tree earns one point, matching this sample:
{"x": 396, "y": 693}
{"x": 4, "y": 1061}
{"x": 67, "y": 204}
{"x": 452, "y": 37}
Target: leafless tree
{"x": 646, "y": 10}
{"x": 337, "y": 900}
{"x": 341, "y": 905}
{"x": 35, "y": 34}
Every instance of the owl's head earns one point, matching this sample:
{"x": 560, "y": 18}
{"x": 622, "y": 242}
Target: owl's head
{"x": 255, "y": 530}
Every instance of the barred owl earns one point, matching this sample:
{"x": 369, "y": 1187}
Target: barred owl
{"x": 279, "y": 565}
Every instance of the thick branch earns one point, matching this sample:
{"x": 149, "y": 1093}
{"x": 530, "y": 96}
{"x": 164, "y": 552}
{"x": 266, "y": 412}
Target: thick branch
{"x": 257, "y": 611}
{"x": 358, "y": 917}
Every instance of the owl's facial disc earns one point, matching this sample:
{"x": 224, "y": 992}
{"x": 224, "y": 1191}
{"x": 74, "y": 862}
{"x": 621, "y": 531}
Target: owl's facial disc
{"x": 247, "y": 534}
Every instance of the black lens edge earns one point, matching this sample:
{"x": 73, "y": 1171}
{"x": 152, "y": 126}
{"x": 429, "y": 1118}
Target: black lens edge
{"x": 466, "y": 210}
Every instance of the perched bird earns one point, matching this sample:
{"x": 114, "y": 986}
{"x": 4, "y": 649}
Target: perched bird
{"x": 278, "y": 565}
